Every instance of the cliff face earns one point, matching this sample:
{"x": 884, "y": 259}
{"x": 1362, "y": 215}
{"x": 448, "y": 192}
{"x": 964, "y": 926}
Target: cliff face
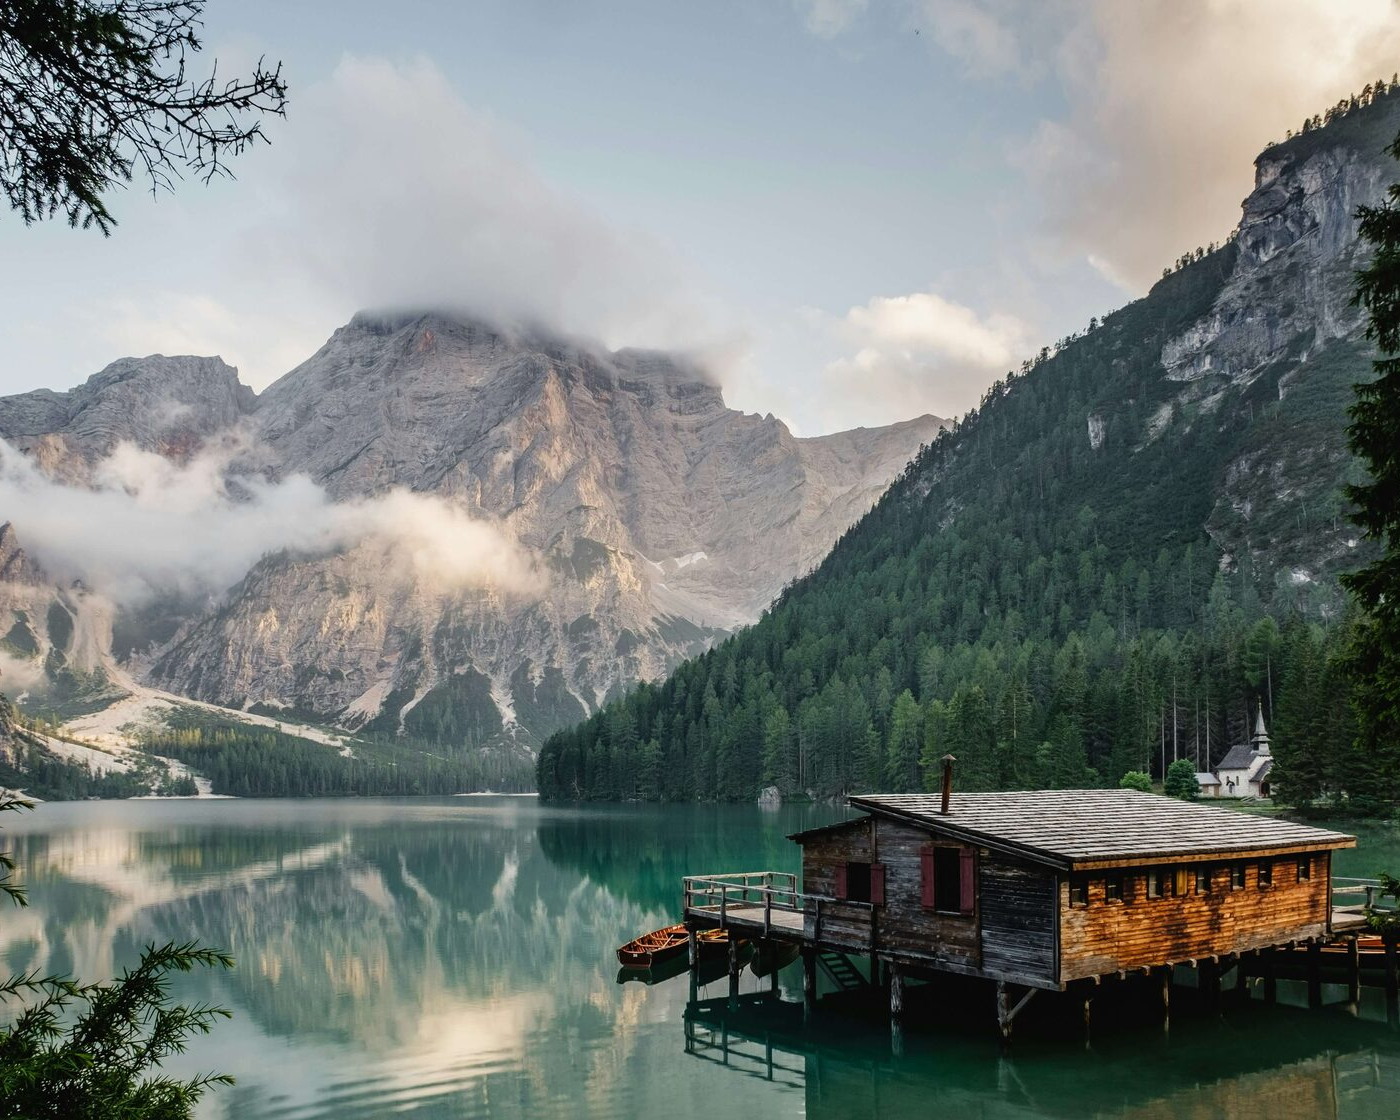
{"x": 660, "y": 517}
{"x": 1283, "y": 325}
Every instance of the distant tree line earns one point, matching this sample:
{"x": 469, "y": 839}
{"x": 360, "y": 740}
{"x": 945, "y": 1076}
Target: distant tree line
{"x": 1369, "y": 95}
{"x": 248, "y": 761}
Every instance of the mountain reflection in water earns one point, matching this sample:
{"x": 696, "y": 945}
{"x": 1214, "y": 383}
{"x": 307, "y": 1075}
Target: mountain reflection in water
{"x": 454, "y": 958}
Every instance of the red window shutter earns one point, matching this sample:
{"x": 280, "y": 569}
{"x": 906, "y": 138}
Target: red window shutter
{"x": 967, "y": 897}
{"x": 877, "y": 884}
{"x": 926, "y": 877}
{"x": 840, "y": 889}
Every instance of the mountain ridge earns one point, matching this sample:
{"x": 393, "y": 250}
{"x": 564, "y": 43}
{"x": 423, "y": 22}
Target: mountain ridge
{"x": 662, "y": 517}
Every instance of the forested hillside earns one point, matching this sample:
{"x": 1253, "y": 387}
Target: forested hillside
{"x": 1132, "y": 541}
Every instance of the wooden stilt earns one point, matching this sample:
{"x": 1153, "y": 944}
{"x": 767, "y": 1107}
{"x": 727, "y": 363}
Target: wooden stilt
{"x": 1270, "y": 977}
{"x": 1004, "y": 1012}
{"x": 733, "y": 965}
{"x": 1208, "y": 980}
{"x": 1354, "y": 976}
{"x": 1241, "y": 980}
{"x": 896, "y": 990}
{"x": 809, "y": 976}
{"x": 1392, "y": 983}
{"x": 1088, "y": 1001}
{"x": 1314, "y": 973}
{"x": 693, "y": 948}
{"x": 1164, "y": 981}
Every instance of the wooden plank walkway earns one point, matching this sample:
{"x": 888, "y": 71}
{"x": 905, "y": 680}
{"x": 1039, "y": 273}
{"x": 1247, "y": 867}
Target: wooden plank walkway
{"x": 1348, "y": 920}
{"x": 786, "y": 924}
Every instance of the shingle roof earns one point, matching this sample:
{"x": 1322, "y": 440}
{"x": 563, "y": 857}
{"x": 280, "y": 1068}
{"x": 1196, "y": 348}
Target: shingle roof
{"x": 1099, "y": 826}
{"x": 1240, "y": 757}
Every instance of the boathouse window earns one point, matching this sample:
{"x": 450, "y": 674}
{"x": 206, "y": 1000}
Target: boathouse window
{"x": 1266, "y": 875}
{"x": 1113, "y": 888}
{"x": 948, "y": 879}
{"x": 1079, "y": 890}
{"x": 1304, "y": 868}
{"x": 861, "y": 882}
{"x": 1236, "y": 876}
{"x": 1203, "y": 880}
{"x": 1159, "y": 882}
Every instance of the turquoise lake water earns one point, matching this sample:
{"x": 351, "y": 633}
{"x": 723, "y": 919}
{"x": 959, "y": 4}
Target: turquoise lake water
{"x": 453, "y": 957}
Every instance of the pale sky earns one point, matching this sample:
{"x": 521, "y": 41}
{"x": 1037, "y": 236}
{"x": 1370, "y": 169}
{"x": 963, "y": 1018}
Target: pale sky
{"x": 857, "y": 210}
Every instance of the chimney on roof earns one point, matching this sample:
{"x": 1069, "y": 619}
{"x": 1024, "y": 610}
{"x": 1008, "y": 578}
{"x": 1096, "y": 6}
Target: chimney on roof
{"x": 948, "y": 761}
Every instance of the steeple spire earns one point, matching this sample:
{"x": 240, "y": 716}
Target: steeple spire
{"x": 1260, "y": 741}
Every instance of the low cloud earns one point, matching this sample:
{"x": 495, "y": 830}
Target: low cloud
{"x": 385, "y": 190}
{"x": 148, "y": 527}
{"x": 395, "y": 193}
{"x": 1166, "y": 103}
{"x": 918, "y": 353}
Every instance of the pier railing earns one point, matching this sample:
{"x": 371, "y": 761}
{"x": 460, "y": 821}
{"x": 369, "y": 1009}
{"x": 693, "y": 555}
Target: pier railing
{"x": 1358, "y": 895}
{"x": 757, "y": 896}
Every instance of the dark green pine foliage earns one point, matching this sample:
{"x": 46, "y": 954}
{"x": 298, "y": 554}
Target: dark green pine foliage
{"x": 1375, "y": 437}
{"x": 1041, "y": 584}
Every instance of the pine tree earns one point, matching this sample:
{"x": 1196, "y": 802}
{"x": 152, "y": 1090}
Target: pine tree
{"x": 1374, "y": 436}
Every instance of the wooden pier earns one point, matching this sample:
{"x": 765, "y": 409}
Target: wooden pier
{"x": 1052, "y": 891}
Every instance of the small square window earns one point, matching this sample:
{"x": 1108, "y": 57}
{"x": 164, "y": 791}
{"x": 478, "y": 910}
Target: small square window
{"x": 1159, "y": 883}
{"x": 1113, "y": 888}
{"x": 1203, "y": 880}
{"x": 1079, "y": 891}
{"x": 1236, "y": 876}
{"x": 1266, "y": 875}
{"x": 1304, "y": 868}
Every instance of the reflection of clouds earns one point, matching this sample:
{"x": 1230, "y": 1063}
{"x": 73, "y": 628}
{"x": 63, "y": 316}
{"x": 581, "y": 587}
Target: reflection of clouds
{"x": 383, "y": 965}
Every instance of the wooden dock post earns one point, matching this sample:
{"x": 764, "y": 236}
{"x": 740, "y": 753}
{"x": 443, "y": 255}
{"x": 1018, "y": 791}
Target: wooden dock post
{"x": 896, "y": 990}
{"x": 1314, "y": 973}
{"x": 809, "y": 976}
{"x": 733, "y": 966}
{"x": 1241, "y": 980}
{"x": 1270, "y": 977}
{"x": 1164, "y": 980}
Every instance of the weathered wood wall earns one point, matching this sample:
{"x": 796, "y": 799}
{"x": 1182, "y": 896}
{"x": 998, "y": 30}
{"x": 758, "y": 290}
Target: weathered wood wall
{"x": 1010, "y": 931}
{"x": 844, "y": 925}
{"x": 1139, "y": 932}
{"x": 1018, "y": 917}
{"x": 903, "y": 923}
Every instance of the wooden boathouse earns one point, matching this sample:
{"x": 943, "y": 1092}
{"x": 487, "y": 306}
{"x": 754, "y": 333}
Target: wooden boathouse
{"x": 1038, "y": 890}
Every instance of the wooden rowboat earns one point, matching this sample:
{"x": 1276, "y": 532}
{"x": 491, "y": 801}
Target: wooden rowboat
{"x": 666, "y": 944}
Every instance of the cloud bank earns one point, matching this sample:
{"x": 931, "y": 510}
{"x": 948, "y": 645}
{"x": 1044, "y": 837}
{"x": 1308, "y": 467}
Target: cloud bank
{"x": 1166, "y": 101}
{"x": 149, "y": 527}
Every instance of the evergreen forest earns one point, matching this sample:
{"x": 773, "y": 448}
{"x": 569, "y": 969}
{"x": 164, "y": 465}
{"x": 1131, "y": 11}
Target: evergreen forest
{"x": 1060, "y": 590}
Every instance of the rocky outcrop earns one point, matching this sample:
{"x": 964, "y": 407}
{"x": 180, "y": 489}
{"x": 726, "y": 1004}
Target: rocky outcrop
{"x": 167, "y": 405}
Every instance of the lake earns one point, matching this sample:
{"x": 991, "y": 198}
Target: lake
{"x": 453, "y": 957}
